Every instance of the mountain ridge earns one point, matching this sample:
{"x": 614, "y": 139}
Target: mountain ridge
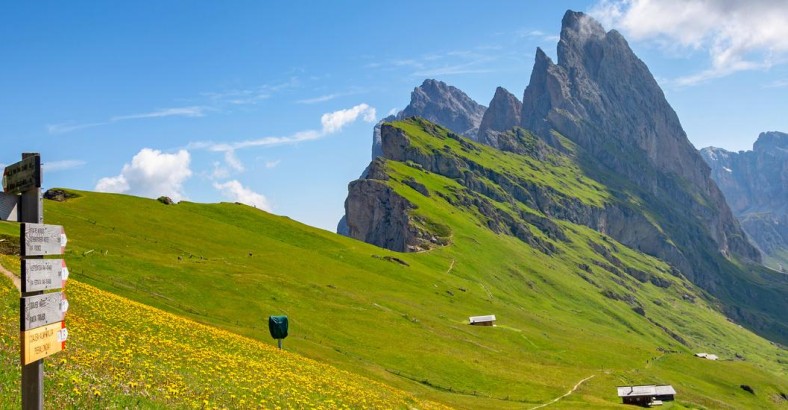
{"x": 600, "y": 105}
{"x": 755, "y": 184}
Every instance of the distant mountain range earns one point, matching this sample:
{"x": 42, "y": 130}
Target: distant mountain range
{"x": 600, "y": 106}
{"x": 755, "y": 184}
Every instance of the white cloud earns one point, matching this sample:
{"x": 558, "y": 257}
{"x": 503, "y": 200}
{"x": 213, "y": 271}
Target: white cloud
{"x": 331, "y": 123}
{"x": 778, "y": 83}
{"x": 272, "y": 164}
{"x": 322, "y": 98}
{"x": 193, "y": 111}
{"x": 232, "y": 160}
{"x": 64, "y": 127}
{"x": 335, "y": 121}
{"x": 189, "y": 112}
{"x": 151, "y": 173}
{"x": 236, "y": 192}
{"x": 54, "y": 166}
{"x": 738, "y": 35}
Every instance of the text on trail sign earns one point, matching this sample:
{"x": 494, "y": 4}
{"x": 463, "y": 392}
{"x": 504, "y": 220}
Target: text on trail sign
{"x": 22, "y": 176}
{"x": 43, "y": 274}
{"x": 43, "y": 341}
{"x": 40, "y": 239}
{"x": 41, "y": 310}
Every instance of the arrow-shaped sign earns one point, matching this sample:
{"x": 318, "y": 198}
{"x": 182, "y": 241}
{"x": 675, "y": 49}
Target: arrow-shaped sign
{"x": 43, "y": 274}
{"x": 22, "y": 176}
{"x": 40, "y": 239}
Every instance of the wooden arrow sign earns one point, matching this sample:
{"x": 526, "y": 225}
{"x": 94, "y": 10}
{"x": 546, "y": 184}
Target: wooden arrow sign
{"x": 43, "y": 274}
{"x": 9, "y": 207}
{"x": 40, "y": 239}
{"x": 43, "y": 341}
{"x": 22, "y": 176}
{"x": 41, "y": 310}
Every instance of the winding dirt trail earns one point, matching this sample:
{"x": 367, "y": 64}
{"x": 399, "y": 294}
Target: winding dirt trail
{"x": 14, "y": 278}
{"x": 567, "y": 393}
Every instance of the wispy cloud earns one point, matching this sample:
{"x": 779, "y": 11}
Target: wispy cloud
{"x": 189, "y": 112}
{"x": 193, "y": 111}
{"x": 537, "y": 34}
{"x": 332, "y": 96}
{"x": 54, "y": 166}
{"x": 481, "y": 59}
{"x": 778, "y": 83}
{"x": 738, "y": 36}
{"x": 216, "y": 101}
{"x": 331, "y": 123}
{"x": 322, "y": 98}
{"x": 65, "y": 127}
{"x": 272, "y": 164}
{"x": 250, "y": 95}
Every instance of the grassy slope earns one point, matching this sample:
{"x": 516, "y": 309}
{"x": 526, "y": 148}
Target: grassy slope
{"x": 122, "y": 354}
{"x": 231, "y": 266}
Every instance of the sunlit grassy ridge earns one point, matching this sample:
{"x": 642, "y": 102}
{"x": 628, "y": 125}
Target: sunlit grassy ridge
{"x": 562, "y": 317}
{"x": 122, "y": 354}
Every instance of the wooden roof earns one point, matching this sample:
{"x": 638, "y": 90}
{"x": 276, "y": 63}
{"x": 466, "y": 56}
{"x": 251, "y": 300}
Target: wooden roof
{"x": 648, "y": 390}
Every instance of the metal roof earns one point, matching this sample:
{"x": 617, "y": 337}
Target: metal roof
{"x": 651, "y": 390}
{"x": 486, "y": 318}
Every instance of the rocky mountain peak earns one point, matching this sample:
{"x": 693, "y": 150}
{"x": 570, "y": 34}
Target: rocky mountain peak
{"x": 602, "y": 96}
{"x": 502, "y": 115}
{"x": 442, "y": 104}
{"x": 446, "y": 105}
{"x": 771, "y": 140}
{"x": 755, "y": 184}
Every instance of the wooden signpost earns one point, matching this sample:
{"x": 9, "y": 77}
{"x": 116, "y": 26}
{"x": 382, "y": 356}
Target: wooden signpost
{"x": 42, "y": 329}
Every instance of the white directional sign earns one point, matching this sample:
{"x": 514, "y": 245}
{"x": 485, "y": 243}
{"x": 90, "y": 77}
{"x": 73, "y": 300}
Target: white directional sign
{"x": 40, "y": 239}
{"x": 22, "y": 176}
{"x": 43, "y": 274}
{"x": 41, "y": 310}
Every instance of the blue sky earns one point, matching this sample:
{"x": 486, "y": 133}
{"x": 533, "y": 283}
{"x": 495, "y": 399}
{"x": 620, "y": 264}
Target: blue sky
{"x": 273, "y": 103}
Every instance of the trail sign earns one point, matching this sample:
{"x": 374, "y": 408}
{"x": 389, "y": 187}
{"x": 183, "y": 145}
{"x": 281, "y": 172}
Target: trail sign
{"x": 40, "y": 239}
{"x": 9, "y": 207}
{"x": 43, "y": 341}
{"x": 22, "y": 176}
{"x": 41, "y": 310}
{"x": 43, "y": 274}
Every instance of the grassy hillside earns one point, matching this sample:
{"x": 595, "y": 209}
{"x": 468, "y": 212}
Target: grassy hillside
{"x": 231, "y": 266}
{"x": 579, "y": 306}
{"x": 122, "y": 354}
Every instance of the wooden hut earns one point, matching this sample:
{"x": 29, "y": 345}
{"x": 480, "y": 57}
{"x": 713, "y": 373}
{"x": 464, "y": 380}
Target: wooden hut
{"x": 650, "y": 395}
{"x": 487, "y": 320}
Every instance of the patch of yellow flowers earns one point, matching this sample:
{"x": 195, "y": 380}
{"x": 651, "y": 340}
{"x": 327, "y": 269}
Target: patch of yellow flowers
{"x": 122, "y": 354}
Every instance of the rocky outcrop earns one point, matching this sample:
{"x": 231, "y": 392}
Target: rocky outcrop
{"x": 376, "y": 214}
{"x": 502, "y": 115}
{"x": 602, "y": 97}
{"x": 755, "y": 184}
{"x": 441, "y": 104}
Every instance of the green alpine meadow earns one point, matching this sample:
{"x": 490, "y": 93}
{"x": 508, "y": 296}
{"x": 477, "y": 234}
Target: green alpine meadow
{"x": 567, "y": 247}
{"x": 583, "y": 308}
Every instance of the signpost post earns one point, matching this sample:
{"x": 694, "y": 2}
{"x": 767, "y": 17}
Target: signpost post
{"x": 42, "y": 329}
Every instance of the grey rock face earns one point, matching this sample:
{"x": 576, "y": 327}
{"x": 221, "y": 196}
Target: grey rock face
{"x": 442, "y": 104}
{"x": 502, "y": 115}
{"x": 755, "y": 184}
{"x": 602, "y": 97}
{"x": 375, "y": 214}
